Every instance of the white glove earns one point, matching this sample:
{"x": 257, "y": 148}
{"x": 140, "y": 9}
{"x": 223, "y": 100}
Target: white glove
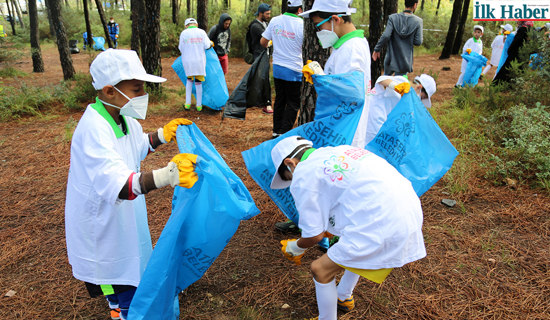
{"x": 293, "y": 249}
{"x": 168, "y": 175}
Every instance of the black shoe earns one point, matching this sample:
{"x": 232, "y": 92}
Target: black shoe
{"x": 288, "y": 226}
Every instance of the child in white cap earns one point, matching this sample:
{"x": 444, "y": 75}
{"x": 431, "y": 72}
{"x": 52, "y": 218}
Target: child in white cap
{"x": 497, "y": 46}
{"x": 358, "y": 196}
{"x": 193, "y": 43}
{"x": 473, "y": 44}
{"x": 108, "y": 241}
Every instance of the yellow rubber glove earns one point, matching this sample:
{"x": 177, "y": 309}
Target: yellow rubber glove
{"x": 506, "y": 32}
{"x": 308, "y": 72}
{"x": 212, "y": 43}
{"x": 116, "y": 36}
{"x": 403, "y": 88}
{"x": 172, "y": 126}
{"x": 186, "y": 167}
{"x": 270, "y": 43}
{"x": 469, "y": 50}
{"x": 292, "y": 252}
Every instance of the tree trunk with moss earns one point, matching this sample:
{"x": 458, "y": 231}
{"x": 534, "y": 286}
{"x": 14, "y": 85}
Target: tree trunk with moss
{"x": 36, "y": 53}
{"x": 62, "y": 42}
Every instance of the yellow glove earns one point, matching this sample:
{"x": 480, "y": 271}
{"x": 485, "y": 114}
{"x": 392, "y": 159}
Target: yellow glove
{"x": 292, "y": 252}
{"x": 402, "y": 88}
{"x": 270, "y": 43}
{"x": 169, "y": 130}
{"x": 308, "y": 72}
{"x": 116, "y": 36}
{"x": 506, "y": 32}
{"x": 469, "y": 50}
{"x": 212, "y": 43}
{"x": 186, "y": 167}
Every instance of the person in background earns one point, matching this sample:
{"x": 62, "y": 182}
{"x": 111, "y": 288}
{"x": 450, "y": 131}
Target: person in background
{"x": 220, "y": 34}
{"x": 403, "y": 32}
{"x": 521, "y": 36}
{"x": 85, "y": 35}
{"x": 112, "y": 26}
{"x": 257, "y": 27}
{"x": 473, "y": 44}
{"x": 497, "y": 46}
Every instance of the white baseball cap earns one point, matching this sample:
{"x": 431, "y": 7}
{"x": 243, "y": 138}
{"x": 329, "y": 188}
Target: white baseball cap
{"x": 330, "y": 6}
{"x": 294, "y": 3}
{"x": 282, "y": 151}
{"x": 507, "y": 27}
{"x": 547, "y": 25}
{"x": 428, "y": 83}
{"x": 189, "y": 21}
{"x": 477, "y": 26}
{"x": 115, "y": 65}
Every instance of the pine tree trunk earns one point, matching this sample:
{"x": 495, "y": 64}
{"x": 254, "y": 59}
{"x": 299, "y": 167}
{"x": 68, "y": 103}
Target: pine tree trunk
{"x": 103, "y": 22}
{"x": 284, "y": 6}
{"x": 137, "y": 24}
{"x": 19, "y": 13}
{"x": 49, "y": 11}
{"x": 422, "y": 6}
{"x": 376, "y": 28}
{"x": 457, "y": 8}
{"x": 150, "y": 40}
{"x": 62, "y": 42}
{"x": 36, "y": 53}
{"x": 311, "y": 50}
{"x": 175, "y": 10}
{"x": 437, "y": 9}
{"x": 364, "y": 7}
{"x": 202, "y": 14}
{"x": 188, "y": 7}
{"x": 88, "y": 26}
{"x": 12, "y": 18}
{"x": 460, "y": 32}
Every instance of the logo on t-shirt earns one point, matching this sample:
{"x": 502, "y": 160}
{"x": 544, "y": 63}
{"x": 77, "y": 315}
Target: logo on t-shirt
{"x": 279, "y": 31}
{"x": 336, "y": 168}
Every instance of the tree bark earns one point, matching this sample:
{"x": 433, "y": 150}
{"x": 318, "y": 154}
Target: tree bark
{"x": 19, "y": 12}
{"x": 49, "y": 11}
{"x": 62, "y": 42}
{"x": 376, "y": 25}
{"x": 103, "y": 22}
{"x": 36, "y": 53}
{"x": 284, "y": 6}
{"x": 390, "y": 7}
{"x": 202, "y": 14}
{"x": 422, "y": 6}
{"x": 461, "y": 25}
{"x": 12, "y": 18}
{"x": 137, "y": 24}
{"x": 88, "y": 26}
{"x": 311, "y": 50}
{"x": 188, "y": 7}
{"x": 150, "y": 40}
{"x": 457, "y": 8}
{"x": 175, "y": 11}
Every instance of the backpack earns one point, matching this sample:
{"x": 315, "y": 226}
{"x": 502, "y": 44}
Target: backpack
{"x": 248, "y": 47}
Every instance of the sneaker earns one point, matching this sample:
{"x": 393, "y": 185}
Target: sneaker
{"x": 199, "y": 108}
{"x": 115, "y": 314}
{"x": 346, "y": 305}
{"x": 187, "y": 106}
{"x": 267, "y": 110}
{"x": 288, "y": 226}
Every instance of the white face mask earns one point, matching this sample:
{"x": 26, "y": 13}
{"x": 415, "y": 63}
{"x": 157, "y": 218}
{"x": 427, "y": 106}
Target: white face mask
{"x": 327, "y": 37}
{"x": 135, "y": 107}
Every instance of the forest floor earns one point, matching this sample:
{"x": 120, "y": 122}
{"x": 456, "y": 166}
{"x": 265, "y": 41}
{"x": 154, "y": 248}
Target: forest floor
{"x": 487, "y": 257}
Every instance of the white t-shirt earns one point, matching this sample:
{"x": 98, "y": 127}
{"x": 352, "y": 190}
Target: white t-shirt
{"x": 381, "y": 104}
{"x": 358, "y": 196}
{"x": 193, "y": 42}
{"x": 354, "y": 55}
{"x": 497, "y": 46}
{"x": 475, "y": 46}
{"x": 287, "y": 34}
{"x": 108, "y": 240}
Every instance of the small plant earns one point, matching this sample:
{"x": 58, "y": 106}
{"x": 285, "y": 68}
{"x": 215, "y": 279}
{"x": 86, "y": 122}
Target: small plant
{"x": 69, "y": 129}
{"x": 11, "y": 72}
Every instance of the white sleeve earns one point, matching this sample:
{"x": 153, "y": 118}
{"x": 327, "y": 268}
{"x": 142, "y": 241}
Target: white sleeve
{"x": 314, "y": 209}
{"x": 206, "y": 41}
{"x": 181, "y": 46}
{"x": 267, "y": 32}
{"x": 466, "y": 46}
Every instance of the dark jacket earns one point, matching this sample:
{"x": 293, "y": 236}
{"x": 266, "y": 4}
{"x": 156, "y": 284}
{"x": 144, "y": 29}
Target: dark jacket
{"x": 513, "y": 54}
{"x": 256, "y": 30}
{"x": 403, "y": 32}
{"x": 220, "y": 36}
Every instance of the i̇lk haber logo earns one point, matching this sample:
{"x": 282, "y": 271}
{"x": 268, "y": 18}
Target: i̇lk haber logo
{"x": 495, "y": 10}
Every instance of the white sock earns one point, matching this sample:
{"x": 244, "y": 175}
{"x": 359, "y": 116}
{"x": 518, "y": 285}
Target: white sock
{"x": 198, "y": 87}
{"x": 487, "y": 68}
{"x": 188, "y": 91}
{"x": 347, "y": 284}
{"x": 460, "y": 79}
{"x": 326, "y": 299}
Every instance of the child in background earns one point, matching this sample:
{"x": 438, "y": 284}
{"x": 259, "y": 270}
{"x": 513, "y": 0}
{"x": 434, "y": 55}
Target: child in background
{"x": 193, "y": 43}
{"x": 473, "y": 44}
{"x": 498, "y": 46}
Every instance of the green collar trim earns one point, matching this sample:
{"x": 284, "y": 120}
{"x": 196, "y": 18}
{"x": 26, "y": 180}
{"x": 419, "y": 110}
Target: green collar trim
{"x": 100, "y": 108}
{"x": 291, "y": 15}
{"x": 347, "y": 36}
{"x": 192, "y": 27}
{"x": 307, "y": 153}
{"x": 476, "y": 41}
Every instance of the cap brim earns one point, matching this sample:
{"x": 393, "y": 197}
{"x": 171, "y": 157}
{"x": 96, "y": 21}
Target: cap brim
{"x": 306, "y": 13}
{"x": 151, "y": 78}
{"x": 279, "y": 183}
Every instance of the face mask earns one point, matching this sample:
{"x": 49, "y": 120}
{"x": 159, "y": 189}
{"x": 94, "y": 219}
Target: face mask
{"x": 135, "y": 107}
{"x": 327, "y": 37}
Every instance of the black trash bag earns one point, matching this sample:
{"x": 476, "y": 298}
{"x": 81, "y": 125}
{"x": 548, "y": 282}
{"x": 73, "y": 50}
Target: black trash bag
{"x": 254, "y": 90}
{"x": 73, "y": 46}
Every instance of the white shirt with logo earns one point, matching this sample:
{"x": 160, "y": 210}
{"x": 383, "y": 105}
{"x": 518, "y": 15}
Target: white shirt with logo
{"x": 497, "y": 47}
{"x": 358, "y": 196}
{"x": 287, "y": 34}
{"x": 193, "y": 42}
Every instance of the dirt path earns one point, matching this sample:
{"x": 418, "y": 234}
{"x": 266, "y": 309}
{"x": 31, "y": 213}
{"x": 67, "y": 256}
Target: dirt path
{"x": 487, "y": 256}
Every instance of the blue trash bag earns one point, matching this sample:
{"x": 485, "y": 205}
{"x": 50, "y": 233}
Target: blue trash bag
{"x": 504, "y": 56}
{"x": 535, "y": 61}
{"x": 475, "y": 65}
{"x": 203, "y": 220}
{"x": 214, "y": 87}
{"x": 336, "y": 128}
{"x": 412, "y": 142}
{"x": 99, "y": 43}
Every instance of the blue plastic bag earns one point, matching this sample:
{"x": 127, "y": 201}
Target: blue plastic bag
{"x": 336, "y": 128}
{"x": 412, "y": 142}
{"x": 214, "y": 87}
{"x": 475, "y": 65}
{"x": 504, "y": 56}
{"x": 535, "y": 61}
{"x": 99, "y": 43}
{"x": 203, "y": 220}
